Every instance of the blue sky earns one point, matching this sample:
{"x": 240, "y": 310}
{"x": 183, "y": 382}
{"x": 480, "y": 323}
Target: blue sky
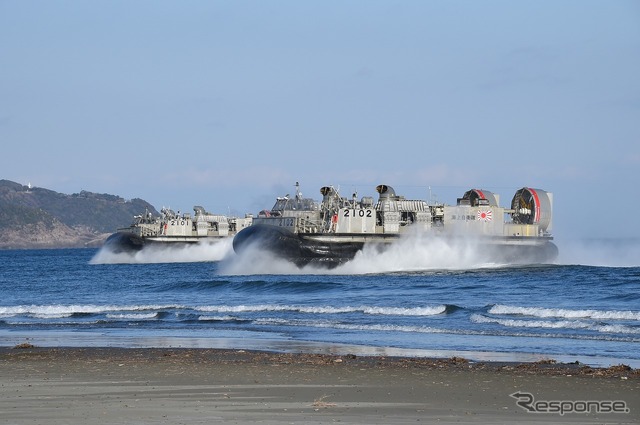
{"x": 227, "y": 104}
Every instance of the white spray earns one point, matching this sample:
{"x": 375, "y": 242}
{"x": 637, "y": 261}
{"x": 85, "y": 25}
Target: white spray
{"x": 415, "y": 252}
{"x": 202, "y": 251}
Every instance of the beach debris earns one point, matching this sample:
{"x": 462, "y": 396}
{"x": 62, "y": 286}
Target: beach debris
{"x": 619, "y": 368}
{"x": 458, "y": 360}
{"x": 23, "y": 346}
{"x": 320, "y": 403}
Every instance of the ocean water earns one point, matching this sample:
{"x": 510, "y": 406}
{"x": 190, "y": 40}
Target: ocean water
{"x": 417, "y": 299}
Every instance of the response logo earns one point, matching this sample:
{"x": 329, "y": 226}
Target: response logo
{"x": 561, "y": 407}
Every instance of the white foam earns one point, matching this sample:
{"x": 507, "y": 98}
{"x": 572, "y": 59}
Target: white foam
{"x": 565, "y": 313}
{"x": 139, "y": 316}
{"x": 151, "y": 311}
{"x": 45, "y": 311}
{"x": 402, "y": 311}
{"x": 419, "y": 252}
{"x": 356, "y": 327}
{"x": 559, "y": 324}
{"x": 51, "y": 315}
{"x": 394, "y": 311}
{"x": 226, "y": 318}
{"x": 254, "y": 261}
{"x": 415, "y": 251}
{"x": 204, "y": 251}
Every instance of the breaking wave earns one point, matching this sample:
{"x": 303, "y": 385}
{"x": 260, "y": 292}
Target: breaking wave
{"x": 151, "y": 311}
{"x": 141, "y": 316}
{"x": 419, "y": 329}
{"x": 560, "y": 324}
{"x": 394, "y": 311}
{"x": 564, "y": 313}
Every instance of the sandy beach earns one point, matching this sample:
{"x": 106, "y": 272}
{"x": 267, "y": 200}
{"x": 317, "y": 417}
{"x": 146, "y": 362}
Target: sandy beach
{"x": 191, "y": 386}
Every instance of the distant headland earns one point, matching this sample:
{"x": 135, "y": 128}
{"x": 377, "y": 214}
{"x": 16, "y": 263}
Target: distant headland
{"x": 35, "y": 217}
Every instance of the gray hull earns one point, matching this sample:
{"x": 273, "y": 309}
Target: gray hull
{"x": 131, "y": 243}
{"x": 124, "y": 242}
{"x": 334, "y": 249}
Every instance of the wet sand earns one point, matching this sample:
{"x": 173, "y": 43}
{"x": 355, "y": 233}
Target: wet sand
{"x": 198, "y": 386}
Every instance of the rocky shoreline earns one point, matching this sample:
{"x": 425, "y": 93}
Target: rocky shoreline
{"x": 40, "y": 236}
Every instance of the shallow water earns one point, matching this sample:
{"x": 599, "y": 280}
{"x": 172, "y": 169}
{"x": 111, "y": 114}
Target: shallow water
{"x": 408, "y": 302}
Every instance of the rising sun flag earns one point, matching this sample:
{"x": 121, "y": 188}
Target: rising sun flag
{"x": 484, "y": 215}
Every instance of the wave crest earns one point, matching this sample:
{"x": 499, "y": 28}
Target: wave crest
{"x": 564, "y": 313}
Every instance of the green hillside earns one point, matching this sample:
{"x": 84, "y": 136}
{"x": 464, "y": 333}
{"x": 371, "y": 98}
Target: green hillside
{"x": 78, "y": 219}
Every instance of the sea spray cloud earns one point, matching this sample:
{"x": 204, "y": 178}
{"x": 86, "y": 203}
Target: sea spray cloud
{"x": 253, "y": 260}
{"x": 417, "y": 252}
{"x": 414, "y": 251}
{"x": 150, "y": 254}
{"x": 605, "y": 252}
